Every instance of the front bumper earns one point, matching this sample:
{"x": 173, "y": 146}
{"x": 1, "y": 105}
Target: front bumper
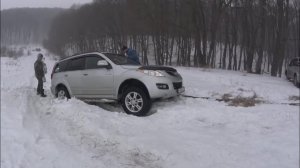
{"x": 172, "y": 90}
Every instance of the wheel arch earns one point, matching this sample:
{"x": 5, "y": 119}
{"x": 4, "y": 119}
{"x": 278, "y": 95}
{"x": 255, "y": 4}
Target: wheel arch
{"x": 296, "y": 75}
{"x": 132, "y": 82}
{"x": 62, "y": 85}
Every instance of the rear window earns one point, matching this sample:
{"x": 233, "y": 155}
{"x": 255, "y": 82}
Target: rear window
{"x": 295, "y": 62}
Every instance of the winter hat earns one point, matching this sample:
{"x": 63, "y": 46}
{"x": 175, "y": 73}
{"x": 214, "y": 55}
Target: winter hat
{"x": 40, "y": 56}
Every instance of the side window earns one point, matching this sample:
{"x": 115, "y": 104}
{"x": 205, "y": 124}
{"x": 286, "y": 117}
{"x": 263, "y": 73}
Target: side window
{"x": 293, "y": 62}
{"x": 76, "y": 64}
{"x": 91, "y": 62}
{"x": 296, "y": 62}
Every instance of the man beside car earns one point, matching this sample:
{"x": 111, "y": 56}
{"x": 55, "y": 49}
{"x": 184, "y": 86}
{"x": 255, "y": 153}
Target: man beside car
{"x": 40, "y": 74}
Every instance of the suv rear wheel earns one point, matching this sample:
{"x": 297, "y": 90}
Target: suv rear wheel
{"x": 296, "y": 83}
{"x": 135, "y": 101}
{"x": 62, "y": 93}
{"x": 286, "y": 75}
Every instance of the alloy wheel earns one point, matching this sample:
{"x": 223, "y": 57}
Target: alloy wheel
{"x": 134, "y": 102}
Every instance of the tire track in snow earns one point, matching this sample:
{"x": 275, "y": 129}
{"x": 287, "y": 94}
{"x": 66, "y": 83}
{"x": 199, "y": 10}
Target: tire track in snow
{"x": 80, "y": 137}
{"x": 57, "y": 136}
{"x": 50, "y": 118}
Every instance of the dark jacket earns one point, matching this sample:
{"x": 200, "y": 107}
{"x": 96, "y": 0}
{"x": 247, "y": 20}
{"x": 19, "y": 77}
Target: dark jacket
{"x": 39, "y": 69}
{"x": 132, "y": 55}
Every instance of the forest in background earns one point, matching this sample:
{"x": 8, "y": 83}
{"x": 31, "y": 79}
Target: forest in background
{"x": 26, "y": 25}
{"x": 257, "y": 36}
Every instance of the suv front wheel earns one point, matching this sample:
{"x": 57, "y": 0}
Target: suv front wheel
{"x": 135, "y": 101}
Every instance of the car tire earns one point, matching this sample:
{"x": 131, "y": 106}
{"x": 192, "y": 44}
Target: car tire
{"x": 286, "y": 75}
{"x": 62, "y": 93}
{"x": 296, "y": 83}
{"x": 135, "y": 101}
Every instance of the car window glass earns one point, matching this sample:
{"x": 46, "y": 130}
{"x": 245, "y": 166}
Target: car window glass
{"x": 296, "y": 62}
{"x": 91, "y": 62}
{"x": 293, "y": 62}
{"x": 120, "y": 59}
{"x": 62, "y": 66}
{"x": 56, "y": 68}
{"x": 76, "y": 64}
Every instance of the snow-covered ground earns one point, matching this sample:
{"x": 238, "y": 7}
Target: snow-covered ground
{"x": 179, "y": 133}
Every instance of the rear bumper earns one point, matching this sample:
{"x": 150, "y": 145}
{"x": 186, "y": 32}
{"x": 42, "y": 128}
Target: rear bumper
{"x": 52, "y": 90}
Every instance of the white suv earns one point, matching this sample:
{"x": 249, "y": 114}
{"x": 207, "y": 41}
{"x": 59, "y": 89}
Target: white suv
{"x": 293, "y": 71}
{"x": 94, "y": 76}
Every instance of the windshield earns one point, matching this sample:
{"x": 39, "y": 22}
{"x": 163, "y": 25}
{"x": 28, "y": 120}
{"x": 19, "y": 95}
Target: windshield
{"x": 120, "y": 59}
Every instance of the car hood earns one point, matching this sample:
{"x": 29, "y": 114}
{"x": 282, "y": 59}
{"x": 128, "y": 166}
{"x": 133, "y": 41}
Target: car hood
{"x": 162, "y": 68}
{"x": 150, "y": 67}
{"x": 167, "y": 70}
{"x": 131, "y": 67}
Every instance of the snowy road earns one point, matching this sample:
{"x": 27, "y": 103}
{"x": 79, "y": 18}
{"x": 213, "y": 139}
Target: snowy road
{"x": 182, "y": 132}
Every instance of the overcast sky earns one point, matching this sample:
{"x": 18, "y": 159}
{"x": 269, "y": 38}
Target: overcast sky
{"x": 6, "y": 4}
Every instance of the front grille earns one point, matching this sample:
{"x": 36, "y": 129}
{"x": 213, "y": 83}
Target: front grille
{"x": 177, "y": 85}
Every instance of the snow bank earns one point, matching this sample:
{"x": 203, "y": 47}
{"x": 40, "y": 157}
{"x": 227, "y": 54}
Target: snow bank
{"x": 180, "y": 132}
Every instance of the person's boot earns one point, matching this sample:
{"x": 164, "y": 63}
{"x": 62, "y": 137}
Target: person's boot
{"x": 43, "y": 94}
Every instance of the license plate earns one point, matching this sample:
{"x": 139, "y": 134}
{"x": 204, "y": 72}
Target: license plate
{"x": 181, "y": 90}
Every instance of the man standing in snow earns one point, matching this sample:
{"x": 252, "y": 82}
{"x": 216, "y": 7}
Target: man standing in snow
{"x": 131, "y": 54}
{"x": 39, "y": 74}
{"x": 44, "y": 68}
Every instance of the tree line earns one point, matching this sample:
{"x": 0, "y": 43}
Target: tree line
{"x": 26, "y": 25}
{"x": 252, "y": 35}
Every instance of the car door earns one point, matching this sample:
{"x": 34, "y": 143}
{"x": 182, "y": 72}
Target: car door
{"x": 73, "y": 75}
{"x": 297, "y": 66}
{"x": 290, "y": 69}
{"x": 97, "y": 79}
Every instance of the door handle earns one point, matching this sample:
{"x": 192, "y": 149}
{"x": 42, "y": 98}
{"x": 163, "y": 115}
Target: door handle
{"x": 85, "y": 74}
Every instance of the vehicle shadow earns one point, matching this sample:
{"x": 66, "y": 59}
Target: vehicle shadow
{"x": 109, "y": 106}
{"x": 116, "y": 107}
{"x": 156, "y": 105}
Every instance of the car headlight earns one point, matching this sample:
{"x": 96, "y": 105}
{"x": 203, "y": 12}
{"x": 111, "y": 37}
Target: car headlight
{"x": 152, "y": 73}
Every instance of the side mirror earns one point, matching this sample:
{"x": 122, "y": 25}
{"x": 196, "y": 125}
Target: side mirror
{"x": 103, "y": 64}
